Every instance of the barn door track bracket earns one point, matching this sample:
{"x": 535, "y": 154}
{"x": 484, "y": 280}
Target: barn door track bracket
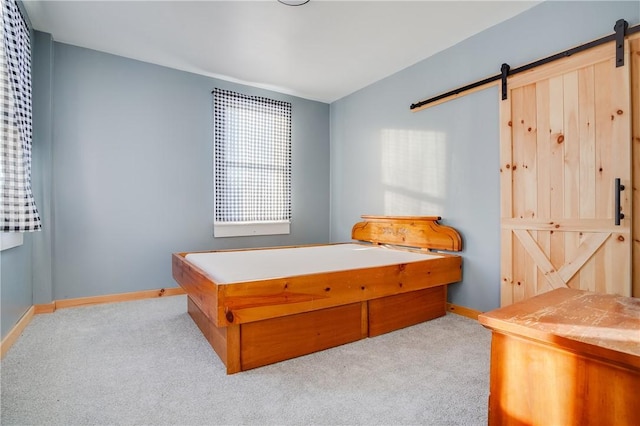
{"x": 504, "y": 73}
{"x": 621, "y": 28}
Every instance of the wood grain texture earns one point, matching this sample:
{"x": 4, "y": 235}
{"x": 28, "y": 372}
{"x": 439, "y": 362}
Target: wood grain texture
{"x": 197, "y": 285}
{"x": 544, "y": 179}
{"x": 412, "y": 231}
{"x": 241, "y": 320}
{"x": 525, "y": 78}
{"x": 114, "y": 298}
{"x": 225, "y": 341}
{"x": 596, "y": 324}
{"x": 278, "y": 339}
{"x": 45, "y": 308}
{"x": 635, "y": 199}
{"x": 566, "y": 357}
{"x": 258, "y": 300}
{"x": 216, "y": 336}
{"x": 16, "y": 331}
{"x": 234, "y": 349}
{"x": 551, "y": 115}
{"x": 567, "y": 141}
{"x": 403, "y": 310}
{"x": 570, "y": 63}
{"x": 539, "y": 384}
{"x": 506, "y": 200}
{"x": 463, "y": 311}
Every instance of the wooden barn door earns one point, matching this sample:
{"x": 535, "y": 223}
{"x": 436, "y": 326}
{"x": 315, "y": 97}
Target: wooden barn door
{"x": 565, "y": 136}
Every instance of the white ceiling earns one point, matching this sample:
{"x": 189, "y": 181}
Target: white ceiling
{"x": 323, "y": 50}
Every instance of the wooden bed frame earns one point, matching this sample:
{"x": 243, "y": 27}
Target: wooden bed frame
{"x": 257, "y": 323}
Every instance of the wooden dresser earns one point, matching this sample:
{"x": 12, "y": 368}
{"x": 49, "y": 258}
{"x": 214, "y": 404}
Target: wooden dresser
{"x": 566, "y": 357}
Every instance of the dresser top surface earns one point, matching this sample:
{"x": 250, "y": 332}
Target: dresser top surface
{"x": 602, "y": 324}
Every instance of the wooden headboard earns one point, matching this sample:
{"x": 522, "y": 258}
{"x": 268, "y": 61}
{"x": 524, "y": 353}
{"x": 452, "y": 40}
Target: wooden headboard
{"x": 412, "y": 231}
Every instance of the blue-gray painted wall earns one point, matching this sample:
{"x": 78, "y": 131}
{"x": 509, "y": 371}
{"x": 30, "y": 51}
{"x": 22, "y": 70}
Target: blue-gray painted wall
{"x": 124, "y": 157}
{"x": 444, "y": 160}
{"x": 15, "y": 280}
{"x": 16, "y": 268}
{"x": 133, "y": 172}
{"x": 42, "y": 167}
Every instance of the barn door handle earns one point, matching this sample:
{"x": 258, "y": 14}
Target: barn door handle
{"x": 617, "y": 214}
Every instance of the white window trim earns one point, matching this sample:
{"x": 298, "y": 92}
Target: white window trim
{"x": 10, "y": 240}
{"x": 247, "y": 229}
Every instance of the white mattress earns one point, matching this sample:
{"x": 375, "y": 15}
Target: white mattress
{"x": 227, "y": 267}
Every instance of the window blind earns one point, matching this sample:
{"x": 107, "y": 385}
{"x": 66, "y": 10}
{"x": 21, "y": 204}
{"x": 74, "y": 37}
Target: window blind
{"x": 17, "y": 205}
{"x": 252, "y": 160}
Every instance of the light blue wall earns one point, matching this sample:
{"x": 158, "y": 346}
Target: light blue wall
{"x": 41, "y": 172}
{"x": 132, "y": 167}
{"x": 124, "y": 160}
{"x": 444, "y": 160}
{"x": 15, "y": 282}
{"x": 16, "y": 272}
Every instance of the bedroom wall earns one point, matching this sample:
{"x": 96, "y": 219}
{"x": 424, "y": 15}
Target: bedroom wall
{"x": 16, "y": 272}
{"x": 131, "y": 173}
{"x": 444, "y": 160}
{"x": 123, "y": 150}
{"x": 41, "y": 170}
{"x": 15, "y": 284}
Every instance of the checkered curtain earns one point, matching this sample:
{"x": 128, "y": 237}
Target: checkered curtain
{"x": 18, "y": 208}
{"x": 252, "y": 158}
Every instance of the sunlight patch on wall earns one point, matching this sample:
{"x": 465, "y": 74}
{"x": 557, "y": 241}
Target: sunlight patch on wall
{"x": 414, "y": 171}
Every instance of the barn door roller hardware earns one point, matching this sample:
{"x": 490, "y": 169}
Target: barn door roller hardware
{"x": 621, "y": 29}
{"x": 504, "y": 73}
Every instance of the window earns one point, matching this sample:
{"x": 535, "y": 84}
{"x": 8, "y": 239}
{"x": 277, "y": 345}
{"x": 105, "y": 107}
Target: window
{"x": 17, "y": 206}
{"x": 252, "y": 165}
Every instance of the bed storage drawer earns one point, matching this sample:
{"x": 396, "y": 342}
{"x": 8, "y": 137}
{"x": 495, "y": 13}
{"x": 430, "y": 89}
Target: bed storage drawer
{"x": 406, "y": 309}
{"x": 255, "y": 344}
{"x": 278, "y": 339}
{"x": 296, "y": 300}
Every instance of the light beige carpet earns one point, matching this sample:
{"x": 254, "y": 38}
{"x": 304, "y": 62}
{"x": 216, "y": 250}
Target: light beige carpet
{"x": 145, "y": 362}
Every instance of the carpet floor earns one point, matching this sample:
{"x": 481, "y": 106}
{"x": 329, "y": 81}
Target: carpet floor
{"x": 146, "y": 363}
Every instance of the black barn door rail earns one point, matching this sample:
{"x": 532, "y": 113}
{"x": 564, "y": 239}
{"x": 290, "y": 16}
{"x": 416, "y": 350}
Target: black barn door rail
{"x": 621, "y": 28}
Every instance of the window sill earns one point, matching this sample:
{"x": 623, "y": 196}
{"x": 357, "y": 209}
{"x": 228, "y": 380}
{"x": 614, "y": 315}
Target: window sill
{"x": 247, "y": 229}
{"x": 10, "y": 240}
